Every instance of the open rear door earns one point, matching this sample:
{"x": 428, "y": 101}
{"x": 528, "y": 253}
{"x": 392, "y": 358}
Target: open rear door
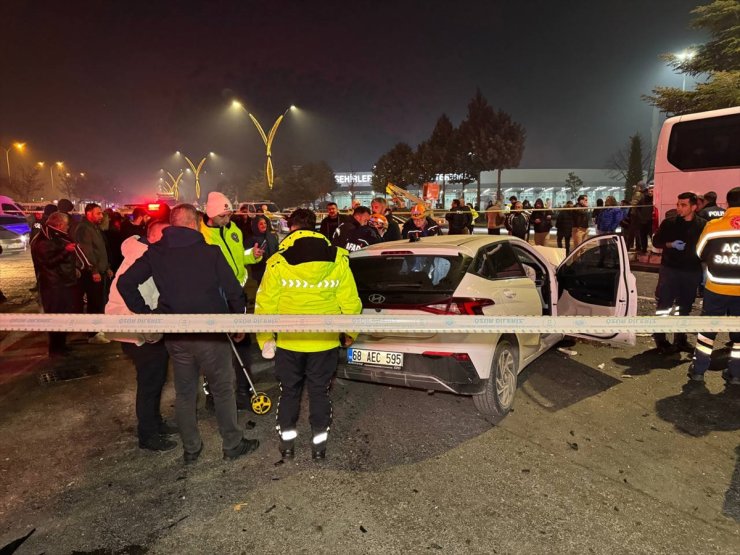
{"x": 595, "y": 280}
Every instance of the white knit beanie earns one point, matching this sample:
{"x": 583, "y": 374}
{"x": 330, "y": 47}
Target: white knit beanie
{"x": 217, "y": 204}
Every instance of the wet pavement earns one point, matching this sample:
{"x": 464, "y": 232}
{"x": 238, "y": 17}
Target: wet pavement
{"x": 604, "y": 452}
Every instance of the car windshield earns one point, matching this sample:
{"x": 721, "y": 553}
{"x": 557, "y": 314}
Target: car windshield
{"x": 409, "y": 272}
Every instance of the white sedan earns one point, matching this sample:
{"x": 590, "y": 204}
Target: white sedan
{"x": 480, "y": 275}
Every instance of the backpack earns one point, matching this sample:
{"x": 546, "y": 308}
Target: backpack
{"x": 519, "y": 225}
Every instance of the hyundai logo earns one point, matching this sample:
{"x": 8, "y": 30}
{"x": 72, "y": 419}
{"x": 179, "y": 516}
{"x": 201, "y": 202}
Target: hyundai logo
{"x": 376, "y": 298}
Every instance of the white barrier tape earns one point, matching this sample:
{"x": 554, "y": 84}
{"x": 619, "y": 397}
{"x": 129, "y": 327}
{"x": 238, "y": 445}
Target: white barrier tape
{"x": 366, "y": 323}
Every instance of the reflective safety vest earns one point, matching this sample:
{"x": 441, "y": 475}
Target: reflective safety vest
{"x": 719, "y": 249}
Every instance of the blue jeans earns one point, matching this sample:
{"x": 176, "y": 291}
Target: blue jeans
{"x": 211, "y": 353}
{"x": 717, "y": 305}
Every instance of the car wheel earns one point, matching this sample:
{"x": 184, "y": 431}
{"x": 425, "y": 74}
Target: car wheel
{"x": 496, "y": 400}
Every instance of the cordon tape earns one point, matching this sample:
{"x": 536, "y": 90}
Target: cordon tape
{"x": 364, "y": 323}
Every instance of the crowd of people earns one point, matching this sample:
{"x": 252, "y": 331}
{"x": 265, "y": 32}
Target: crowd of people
{"x": 134, "y": 265}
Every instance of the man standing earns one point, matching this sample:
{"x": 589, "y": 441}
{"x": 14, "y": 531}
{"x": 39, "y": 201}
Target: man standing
{"x": 193, "y": 277}
{"x": 218, "y": 229}
{"x": 459, "y": 218}
{"x": 136, "y": 225}
{"x": 331, "y": 221}
{"x": 57, "y": 259}
{"x": 580, "y": 221}
{"x": 680, "y": 268}
{"x": 348, "y": 228}
{"x": 710, "y": 210}
{"x": 380, "y": 206}
{"x": 719, "y": 249}
{"x": 419, "y": 224}
{"x": 94, "y": 281}
{"x": 306, "y": 257}
{"x": 146, "y": 350}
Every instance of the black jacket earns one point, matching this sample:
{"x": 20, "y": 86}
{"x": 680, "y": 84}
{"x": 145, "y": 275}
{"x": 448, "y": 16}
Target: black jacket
{"x": 580, "y": 217}
{"x": 56, "y": 266}
{"x": 545, "y": 218}
{"x": 678, "y": 229}
{"x": 192, "y": 277}
{"x": 564, "y": 222}
{"x": 361, "y": 237}
{"x": 459, "y": 219}
{"x": 329, "y": 226}
{"x": 711, "y": 212}
{"x": 340, "y": 237}
{"x": 409, "y": 227}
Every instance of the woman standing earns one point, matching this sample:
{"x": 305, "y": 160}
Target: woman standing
{"x": 542, "y": 222}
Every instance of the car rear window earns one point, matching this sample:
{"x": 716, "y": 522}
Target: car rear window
{"x": 409, "y": 272}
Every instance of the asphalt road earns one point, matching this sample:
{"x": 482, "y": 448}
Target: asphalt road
{"x": 603, "y": 453}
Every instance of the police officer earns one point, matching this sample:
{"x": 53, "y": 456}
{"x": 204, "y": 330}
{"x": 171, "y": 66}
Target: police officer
{"x": 719, "y": 249}
{"x": 710, "y": 210}
{"x": 680, "y": 268}
{"x": 306, "y": 276}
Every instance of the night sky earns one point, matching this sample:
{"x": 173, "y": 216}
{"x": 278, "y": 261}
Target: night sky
{"x": 117, "y": 87}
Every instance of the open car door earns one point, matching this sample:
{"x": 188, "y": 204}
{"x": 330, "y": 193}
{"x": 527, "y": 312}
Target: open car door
{"x": 595, "y": 280}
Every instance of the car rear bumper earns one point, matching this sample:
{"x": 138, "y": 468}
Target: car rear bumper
{"x": 438, "y": 373}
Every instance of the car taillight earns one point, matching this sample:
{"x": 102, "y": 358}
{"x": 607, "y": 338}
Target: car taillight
{"x": 462, "y": 357}
{"x": 458, "y": 305}
{"x": 153, "y": 207}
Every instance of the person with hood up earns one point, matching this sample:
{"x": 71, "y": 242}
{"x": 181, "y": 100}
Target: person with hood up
{"x": 306, "y": 276}
{"x": 541, "y": 222}
{"x": 263, "y": 235}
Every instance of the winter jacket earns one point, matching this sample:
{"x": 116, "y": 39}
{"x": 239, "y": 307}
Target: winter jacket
{"x": 339, "y": 239}
{"x": 580, "y": 217}
{"x": 361, "y": 237}
{"x": 191, "y": 276}
{"x": 545, "y": 220}
{"x": 56, "y": 266}
{"x": 609, "y": 219}
{"x": 229, "y": 240}
{"x": 307, "y": 276}
{"x": 132, "y": 249}
{"x": 393, "y": 233}
{"x": 678, "y": 229}
{"x": 517, "y": 223}
{"x": 564, "y": 222}
{"x": 410, "y": 228}
{"x": 329, "y": 226}
{"x": 719, "y": 249}
{"x": 460, "y": 219}
{"x": 711, "y": 212}
{"x": 91, "y": 241}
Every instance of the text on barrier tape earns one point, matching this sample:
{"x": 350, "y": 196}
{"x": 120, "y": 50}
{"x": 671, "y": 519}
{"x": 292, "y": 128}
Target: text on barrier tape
{"x": 364, "y": 323}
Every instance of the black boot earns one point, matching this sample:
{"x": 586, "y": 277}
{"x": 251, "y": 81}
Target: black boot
{"x": 287, "y": 448}
{"x": 318, "y": 449}
{"x": 662, "y": 344}
{"x": 681, "y": 343}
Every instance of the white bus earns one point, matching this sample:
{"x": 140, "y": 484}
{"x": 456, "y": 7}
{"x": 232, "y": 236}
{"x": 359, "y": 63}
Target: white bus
{"x": 698, "y": 153}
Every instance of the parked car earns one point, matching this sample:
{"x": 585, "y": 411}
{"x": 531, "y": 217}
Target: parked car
{"x": 14, "y": 234}
{"x": 480, "y": 275}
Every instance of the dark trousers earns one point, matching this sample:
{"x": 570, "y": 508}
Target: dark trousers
{"x": 717, "y": 305}
{"x": 242, "y": 385}
{"x": 644, "y": 233}
{"x": 59, "y": 300}
{"x": 675, "y": 287}
{"x": 95, "y": 292}
{"x": 210, "y": 353}
{"x": 316, "y": 370}
{"x": 563, "y": 236}
{"x": 494, "y": 231}
{"x": 151, "y": 361}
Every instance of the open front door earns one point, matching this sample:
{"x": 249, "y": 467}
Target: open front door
{"x": 595, "y": 280}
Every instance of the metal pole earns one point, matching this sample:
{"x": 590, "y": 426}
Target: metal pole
{"x": 7, "y": 160}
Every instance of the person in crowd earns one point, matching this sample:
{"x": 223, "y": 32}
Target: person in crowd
{"x": 495, "y": 217}
{"x": 459, "y": 218}
{"x": 380, "y": 224}
{"x": 596, "y": 214}
{"x": 59, "y": 261}
{"x": 473, "y": 217}
{"x": 680, "y": 268}
{"x": 609, "y": 218}
{"x": 541, "y": 222}
{"x": 113, "y": 240}
{"x": 347, "y": 228}
{"x": 306, "y": 358}
{"x": 380, "y": 206}
{"x": 193, "y": 277}
{"x": 645, "y": 230}
{"x": 244, "y": 222}
{"x": 95, "y": 279}
{"x": 517, "y": 221}
{"x": 268, "y": 241}
{"x": 218, "y": 229}
{"x": 718, "y": 248}
{"x": 331, "y": 221}
{"x": 49, "y": 209}
{"x": 564, "y": 225}
{"x": 136, "y": 225}
{"x": 710, "y": 210}
{"x": 365, "y": 235}
{"x": 65, "y": 205}
{"x": 420, "y": 224}
{"x": 147, "y": 351}
{"x": 634, "y": 223}
{"x": 580, "y": 221}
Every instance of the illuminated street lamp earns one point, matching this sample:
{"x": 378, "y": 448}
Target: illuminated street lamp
{"x": 174, "y": 187}
{"x": 685, "y": 56}
{"x": 19, "y": 147}
{"x": 59, "y": 165}
{"x": 267, "y": 138}
{"x": 196, "y": 170}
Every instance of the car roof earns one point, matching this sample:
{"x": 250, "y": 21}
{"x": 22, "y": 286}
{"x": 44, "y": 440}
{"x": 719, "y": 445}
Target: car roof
{"x": 466, "y": 244}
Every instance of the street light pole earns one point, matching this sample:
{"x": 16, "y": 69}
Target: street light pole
{"x": 19, "y": 147}
{"x": 267, "y": 138}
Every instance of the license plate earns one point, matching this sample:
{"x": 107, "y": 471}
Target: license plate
{"x": 376, "y": 358}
